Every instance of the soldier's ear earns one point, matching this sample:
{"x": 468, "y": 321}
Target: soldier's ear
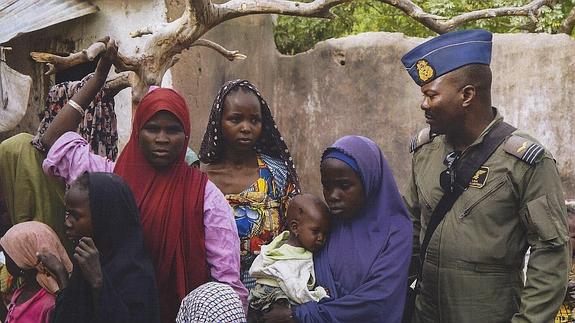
{"x": 467, "y": 95}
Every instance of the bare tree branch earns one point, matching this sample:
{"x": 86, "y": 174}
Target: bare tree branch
{"x": 530, "y": 10}
{"x": 202, "y": 10}
{"x": 417, "y": 13}
{"x": 441, "y": 25}
{"x": 569, "y": 23}
{"x": 58, "y": 63}
{"x": 238, "y": 8}
{"x": 229, "y": 54}
{"x": 124, "y": 63}
{"x": 118, "y": 82}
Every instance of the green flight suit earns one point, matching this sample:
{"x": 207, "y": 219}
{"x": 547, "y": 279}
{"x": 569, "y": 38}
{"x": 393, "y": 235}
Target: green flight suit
{"x": 473, "y": 267}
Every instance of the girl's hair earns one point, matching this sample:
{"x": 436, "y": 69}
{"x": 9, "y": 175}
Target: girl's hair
{"x": 84, "y": 181}
{"x": 270, "y": 143}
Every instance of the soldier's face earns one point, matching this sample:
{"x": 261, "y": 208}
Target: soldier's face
{"x": 441, "y": 104}
{"x": 342, "y": 189}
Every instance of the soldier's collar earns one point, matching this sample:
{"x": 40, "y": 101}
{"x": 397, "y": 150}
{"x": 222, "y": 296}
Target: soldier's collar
{"x": 497, "y": 119}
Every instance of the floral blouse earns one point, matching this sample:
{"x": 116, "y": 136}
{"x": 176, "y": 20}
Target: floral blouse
{"x": 260, "y": 211}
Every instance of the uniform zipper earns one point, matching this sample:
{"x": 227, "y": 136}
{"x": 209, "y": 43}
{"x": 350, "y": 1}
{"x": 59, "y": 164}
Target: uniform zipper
{"x": 493, "y": 189}
{"x": 424, "y": 196}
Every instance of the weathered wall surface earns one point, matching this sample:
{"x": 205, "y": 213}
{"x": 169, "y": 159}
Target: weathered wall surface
{"x": 534, "y": 84}
{"x": 357, "y": 85}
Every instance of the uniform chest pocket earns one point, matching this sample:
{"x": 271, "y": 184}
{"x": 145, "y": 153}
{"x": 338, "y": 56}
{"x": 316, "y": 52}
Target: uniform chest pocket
{"x": 497, "y": 194}
{"x": 428, "y": 200}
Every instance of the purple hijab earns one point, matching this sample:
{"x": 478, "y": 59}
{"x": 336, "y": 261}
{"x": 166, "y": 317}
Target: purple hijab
{"x": 366, "y": 260}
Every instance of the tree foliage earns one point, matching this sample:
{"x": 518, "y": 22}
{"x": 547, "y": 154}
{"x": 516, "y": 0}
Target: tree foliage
{"x": 294, "y": 34}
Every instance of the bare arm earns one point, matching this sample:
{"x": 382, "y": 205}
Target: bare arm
{"x": 68, "y": 118}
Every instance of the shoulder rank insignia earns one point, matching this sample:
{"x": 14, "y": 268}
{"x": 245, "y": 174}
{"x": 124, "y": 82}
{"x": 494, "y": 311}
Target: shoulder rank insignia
{"x": 524, "y": 149}
{"x": 422, "y": 138}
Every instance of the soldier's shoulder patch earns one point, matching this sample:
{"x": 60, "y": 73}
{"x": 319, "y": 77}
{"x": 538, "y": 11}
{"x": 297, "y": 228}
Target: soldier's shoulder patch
{"x": 524, "y": 149}
{"x": 422, "y": 138}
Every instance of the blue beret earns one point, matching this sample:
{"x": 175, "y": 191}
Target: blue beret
{"x": 446, "y": 53}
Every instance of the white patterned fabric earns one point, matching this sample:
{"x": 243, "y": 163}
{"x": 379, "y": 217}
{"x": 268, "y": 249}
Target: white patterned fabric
{"x": 211, "y": 302}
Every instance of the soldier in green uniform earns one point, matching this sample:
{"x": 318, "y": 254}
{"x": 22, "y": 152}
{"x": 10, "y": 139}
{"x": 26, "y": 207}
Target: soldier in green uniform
{"x": 472, "y": 269}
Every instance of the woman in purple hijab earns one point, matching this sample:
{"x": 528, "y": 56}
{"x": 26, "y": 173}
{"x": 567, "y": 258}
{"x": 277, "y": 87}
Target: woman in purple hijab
{"x": 365, "y": 263}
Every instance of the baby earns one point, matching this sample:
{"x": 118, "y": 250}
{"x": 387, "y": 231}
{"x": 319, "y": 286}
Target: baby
{"x": 284, "y": 268}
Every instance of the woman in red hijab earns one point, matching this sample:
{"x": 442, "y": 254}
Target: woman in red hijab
{"x": 189, "y": 228}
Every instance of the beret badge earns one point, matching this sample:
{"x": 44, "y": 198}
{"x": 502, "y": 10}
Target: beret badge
{"x": 424, "y": 70}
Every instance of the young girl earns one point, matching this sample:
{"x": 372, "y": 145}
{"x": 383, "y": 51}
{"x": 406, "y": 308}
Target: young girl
{"x": 244, "y": 154}
{"x": 34, "y": 300}
{"x": 284, "y": 268}
{"x": 365, "y": 261}
{"x": 113, "y": 280}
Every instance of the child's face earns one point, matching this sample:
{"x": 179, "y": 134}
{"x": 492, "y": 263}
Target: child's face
{"x": 78, "y": 221}
{"x": 342, "y": 189}
{"x": 242, "y": 120}
{"x": 313, "y": 229}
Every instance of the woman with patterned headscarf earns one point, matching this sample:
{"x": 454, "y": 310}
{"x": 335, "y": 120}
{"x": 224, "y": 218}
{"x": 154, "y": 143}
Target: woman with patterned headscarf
{"x": 245, "y": 155}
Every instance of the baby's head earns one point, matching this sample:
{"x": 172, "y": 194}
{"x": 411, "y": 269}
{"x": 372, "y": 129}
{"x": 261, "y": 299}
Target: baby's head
{"x": 308, "y": 221}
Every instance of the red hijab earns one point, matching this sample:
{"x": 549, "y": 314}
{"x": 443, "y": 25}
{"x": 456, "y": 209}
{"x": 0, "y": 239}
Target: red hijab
{"x": 171, "y": 204}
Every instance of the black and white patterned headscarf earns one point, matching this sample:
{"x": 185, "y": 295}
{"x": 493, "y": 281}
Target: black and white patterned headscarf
{"x": 211, "y": 302}
{"x": 270, "y": 143}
